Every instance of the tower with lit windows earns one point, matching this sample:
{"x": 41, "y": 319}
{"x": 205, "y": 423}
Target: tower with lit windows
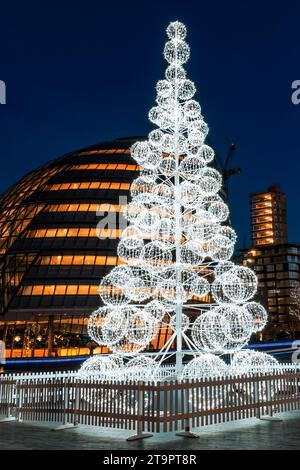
{"x": 268, "y": 217}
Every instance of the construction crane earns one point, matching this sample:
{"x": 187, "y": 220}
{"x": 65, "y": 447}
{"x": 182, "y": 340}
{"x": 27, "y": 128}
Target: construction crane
{"x": 225, "y": 168}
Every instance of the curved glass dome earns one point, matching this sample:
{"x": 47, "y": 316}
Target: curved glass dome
{"x": 51, "y": 255}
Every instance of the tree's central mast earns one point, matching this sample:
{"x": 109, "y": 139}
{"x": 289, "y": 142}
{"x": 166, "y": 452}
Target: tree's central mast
{"x": 178, "y": 231}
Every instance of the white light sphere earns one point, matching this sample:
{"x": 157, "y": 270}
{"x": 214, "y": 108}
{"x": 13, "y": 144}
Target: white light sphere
{"x": 259, "y": 315}
{"x": 196, "y": 138}
{"x": 239, "y": 320}
{"x": 205, "y": 366}
{"x": 246, "y": 286}
{"x": 157, "y": 254}
{"x": 206, "y": 153}
{"x": 167, "y": 166}
{"x": 139, "y": 288}
{"x": 112, "y": 288}
{"x": 190, "y": 194}
{"x": 190, "y": 253}
{"x": 222, "y": 267}
{"x": 163, "y": 194}
{"x": 249, "y": 361}
{"x": 142, "y": 189}
{"x": 221, "y": 254}
{"x": 166, "y": 232}
{"x": 176, "y": 30}
{"x": 130, "y": 249}
{"x": 99, "y": 367}
{"x": 219, "y": 210}
{"x": 155, "y": 309}
{"x": 175, "y": 72}
{"x": 200, "y": 287}
{"x": 155, "y": 138}
{"x": 149, "y": 175}
{"x": 186, "y": 90}
{"x": 190, "y": 166}
{"x": 164, "y": 88}
{"x": 210, "y": 330}
{"x": 148, "y": 222}
{"x": 192, "y": 109}
{"x": 201, "y": 232}
{"x": 95, "y": 324}
{"x": 115, "y": 326}
{"x": 152, "y": 161}
{"x": 142, "y": 327}
{"x": 131, "y": 232}
{"x": 185, "y": 322}
{"x": 225, "y": 237}
{"x": 209, "y": 182}
{"x": 133, "y": 210}
{"x": 173, "y": 293}
{"x": 141, "y": 368}
{"x": 139, "y": 151}
{"x": 176, "y": 51}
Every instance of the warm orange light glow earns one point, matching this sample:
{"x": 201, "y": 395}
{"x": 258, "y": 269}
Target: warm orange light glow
{"x": 87, "y": 185}
{"x": 60, "y": 289}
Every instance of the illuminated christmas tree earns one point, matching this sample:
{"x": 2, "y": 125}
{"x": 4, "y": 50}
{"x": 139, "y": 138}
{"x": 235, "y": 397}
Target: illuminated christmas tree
{"x": 176, "y": 252}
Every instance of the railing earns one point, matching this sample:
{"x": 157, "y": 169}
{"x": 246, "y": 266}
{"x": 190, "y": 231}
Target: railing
{"x": 147, "y": 407}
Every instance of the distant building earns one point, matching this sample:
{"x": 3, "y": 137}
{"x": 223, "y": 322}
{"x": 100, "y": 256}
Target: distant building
{"x": 277, "y": 268}
{"x": 268, "y": 217}
{"x": 275, "y": 261}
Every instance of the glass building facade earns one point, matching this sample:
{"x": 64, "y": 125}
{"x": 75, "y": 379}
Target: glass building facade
{"x": 54, "y": 253}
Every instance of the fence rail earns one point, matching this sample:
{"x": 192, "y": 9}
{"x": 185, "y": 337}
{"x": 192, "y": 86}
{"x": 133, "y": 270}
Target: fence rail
{"x": 147, "y": 407}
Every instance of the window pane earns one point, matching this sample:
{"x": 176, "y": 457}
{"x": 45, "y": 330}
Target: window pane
{"x": 72, "y": 290}
{"x": 37, "y": 290}
{"x": 83, "y": 290}
{"x": 60, "y": 290}
{"x": 49, "y": 290}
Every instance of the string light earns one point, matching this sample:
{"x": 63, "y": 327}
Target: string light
{"x": 176, "y": 250}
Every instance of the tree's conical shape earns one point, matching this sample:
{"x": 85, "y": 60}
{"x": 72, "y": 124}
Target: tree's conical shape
{"x": 176, "y": 252}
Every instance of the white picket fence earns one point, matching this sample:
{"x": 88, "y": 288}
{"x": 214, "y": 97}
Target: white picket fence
{"x": 63, "y": 397}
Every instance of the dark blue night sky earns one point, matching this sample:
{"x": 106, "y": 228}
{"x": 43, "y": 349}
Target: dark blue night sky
{"x": 80, "y": 73}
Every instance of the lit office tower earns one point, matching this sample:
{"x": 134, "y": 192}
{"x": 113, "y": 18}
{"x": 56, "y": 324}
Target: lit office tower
{"x": 268, "y": 217}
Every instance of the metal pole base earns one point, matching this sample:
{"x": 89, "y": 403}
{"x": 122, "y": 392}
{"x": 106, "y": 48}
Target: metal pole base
{"x": 270, "y": 418}
{"x": 137, "y": 437}
{"x": 189, "y": 434}
{"x": 66, "y": 426}
{"x": 8, "y": 419}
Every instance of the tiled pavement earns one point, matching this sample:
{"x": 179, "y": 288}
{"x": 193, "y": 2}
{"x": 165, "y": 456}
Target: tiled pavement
{"x": 250, "y": 434}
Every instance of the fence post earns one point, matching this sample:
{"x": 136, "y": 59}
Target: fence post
{"x": 19, "y": 401}
{"x": 10, "y": 395}
{"x": 185, "y": 409}
{"x": 269, "y": 416}
{"x": 256, "y": 396}
{"x": 66, "y": 424}
{"x": 139, "y": 423}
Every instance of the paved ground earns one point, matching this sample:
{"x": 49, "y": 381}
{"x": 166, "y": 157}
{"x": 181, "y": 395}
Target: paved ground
{"x": 250, "y": 434}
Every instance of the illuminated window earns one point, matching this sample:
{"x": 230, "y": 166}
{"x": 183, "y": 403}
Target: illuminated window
{"x": 83, "y": 290}
{"x": 27, "y": 290}
{"x": 61, "y": 232}
{"x": 37, "y": 290}
{"x": 71, "y": 290}
{"x": 60, "y": 290}
{"x": 73, "y": 232}
{"x": 48, "y": 290}
{"x": 86, "y": 208}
